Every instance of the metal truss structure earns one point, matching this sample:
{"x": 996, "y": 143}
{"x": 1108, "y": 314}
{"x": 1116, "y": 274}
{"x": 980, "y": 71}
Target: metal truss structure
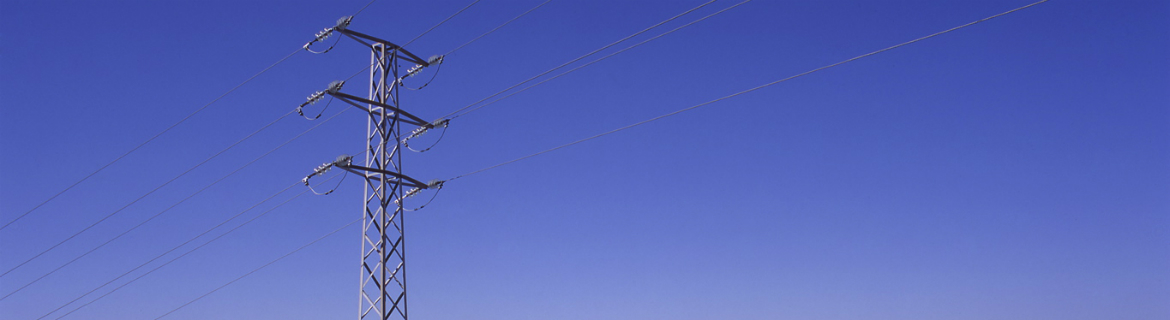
{"x": 383, "y": 279}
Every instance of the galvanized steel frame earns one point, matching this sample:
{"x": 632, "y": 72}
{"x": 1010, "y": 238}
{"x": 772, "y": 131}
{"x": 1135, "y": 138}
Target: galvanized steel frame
{"x": 383, "y": 281}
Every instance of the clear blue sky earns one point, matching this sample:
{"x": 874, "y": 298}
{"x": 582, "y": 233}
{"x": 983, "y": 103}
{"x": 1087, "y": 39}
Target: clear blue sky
{"x": 1015, "y": 169}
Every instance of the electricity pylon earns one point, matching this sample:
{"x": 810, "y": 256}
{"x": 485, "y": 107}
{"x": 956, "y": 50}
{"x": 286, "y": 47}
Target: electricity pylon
{"x": 383, "y": 281}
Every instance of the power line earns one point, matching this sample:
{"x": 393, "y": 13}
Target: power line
{"x": 172, "y": 179}
{"x": 208, "y": 186}
{"x": 581, "y": 57}
{"x": 181, "y": 245}
{"x": 261, "y": 267}
{"x": 177, "y": 247}
{"x": 364, "y": 7}
{"x": 144, "y": 196}
{"x": 139, "y": 146}
{"x": 436, "y": 73}
{"x": 633, "y": 125}
{"x": 237, "y": 170}
{"x": 746, "y": 91}
{"x": 599, "y": 59}
{"x": 208, "y": 229}
{"x": 440, "y": 23}
{"x": 494, "y": 29}
{"x": 91, "y": 174}
{"x": 168, "y": 208}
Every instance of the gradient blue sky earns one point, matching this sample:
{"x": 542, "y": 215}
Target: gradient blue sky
{"x": 1015, "y": 169}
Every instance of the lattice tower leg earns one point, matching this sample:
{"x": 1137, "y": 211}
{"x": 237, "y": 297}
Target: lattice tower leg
{"x": 383, "y": 282}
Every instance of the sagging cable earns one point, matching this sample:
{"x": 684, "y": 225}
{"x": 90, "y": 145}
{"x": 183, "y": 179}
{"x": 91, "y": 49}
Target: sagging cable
{"x": 324, "y": 34}
{"x": 317, "y": 96}
{"x": 442, "y": 123}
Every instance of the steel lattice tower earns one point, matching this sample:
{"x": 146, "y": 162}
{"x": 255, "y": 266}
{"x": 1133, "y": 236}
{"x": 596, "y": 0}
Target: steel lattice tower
{"x": 383, "y": 278}
{"x": 383, "y": 282}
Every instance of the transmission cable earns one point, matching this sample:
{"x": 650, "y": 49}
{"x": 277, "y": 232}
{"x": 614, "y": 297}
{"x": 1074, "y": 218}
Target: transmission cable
{"x": 147, "y": 194}
{"x": 237, "y": 170}
{"x": 176, "y": 177}
{"x": 363, "y": 8}
{"x": 582, "y": 57}
{"x": 746, "y": 91}
{"x": 152, "y": 138}
{"x": 189, "y": 197}
{"x": 261, "y": 267}
{"x": 209, "y": 230}
{"x": 167, "y": 209}
{"x": 496, "y": 28}
{"x": 91, "y": 174}
{"x": 624, "y": 128}
{"x": 440, "y": 23}
{"x": 598, "y": 60}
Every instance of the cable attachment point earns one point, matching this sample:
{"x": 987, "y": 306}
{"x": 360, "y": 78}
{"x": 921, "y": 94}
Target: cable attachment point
{"x": 441, "y": 123}
{"x": 334, "y": 87}
{"x": 433, "y": 184}
{"x": 413, "y": 71}
{"x": 342, "y": 161}
{"x": 324, "y": 34}
{"x": 409, "y": 194}
{"x": 433, "y": 60}
{"x": 343, "y": 23}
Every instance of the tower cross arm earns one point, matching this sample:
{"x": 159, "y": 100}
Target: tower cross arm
{"x": 349, "y": 98}
{"x": 389, "y": 45}
{"x": 407, "y": 181}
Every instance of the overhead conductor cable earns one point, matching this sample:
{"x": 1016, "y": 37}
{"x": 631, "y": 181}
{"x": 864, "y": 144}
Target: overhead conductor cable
{"x": 746, "y": 91}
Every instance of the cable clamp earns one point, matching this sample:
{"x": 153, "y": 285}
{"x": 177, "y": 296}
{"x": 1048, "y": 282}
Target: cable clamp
{"x": 320, "y": 170}
{"x": 414, "y": 70}
{"x": 433, "y": 184}
{"x": 333, "y": 88}
{"x": 316, "y": 96}
{"x": 320, "y": 36}
{"x": 324, "y": 34}
{"x": 342, "y": 161}
{"x": 343, "y": 23}
{"x": 408, "y": 194}
{"x": 418, "y": 67}
{"x": 441, "y": 123}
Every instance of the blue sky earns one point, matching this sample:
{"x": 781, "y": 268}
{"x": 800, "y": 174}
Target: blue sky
{"x": 1014, "y": 169}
